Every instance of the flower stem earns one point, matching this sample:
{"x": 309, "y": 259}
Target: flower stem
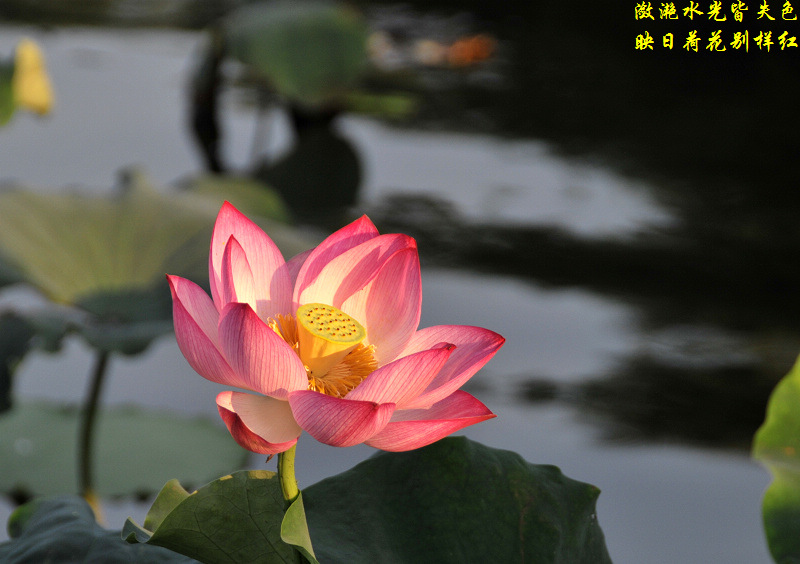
{"x": 88, "y": 416}
{"x": 286, "y": 475}
{"x": 289, "y": 486}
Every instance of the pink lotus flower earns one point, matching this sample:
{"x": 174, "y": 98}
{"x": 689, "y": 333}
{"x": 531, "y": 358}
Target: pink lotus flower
{"x": 328, "y": 341}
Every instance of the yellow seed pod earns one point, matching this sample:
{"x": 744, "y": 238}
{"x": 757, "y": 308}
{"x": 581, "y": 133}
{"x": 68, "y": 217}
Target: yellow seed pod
{"x": 30, "y": 84}
{"x": 326, "y": 335}
{"x": 330, "y": 323}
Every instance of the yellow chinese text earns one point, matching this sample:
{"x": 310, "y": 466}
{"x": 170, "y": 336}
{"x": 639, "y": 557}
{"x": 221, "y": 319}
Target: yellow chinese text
{"x": 668, "y": 11}
{"x": 764, "y": 40}
{"x": 738, "y": 9}
{"x": 715, "y": 42}
{"x": 763, "y": 11}
{"x": 692, "y": 10}
{"x": 644, "y": 41}
{"x": 692, "y": 41}
{"x": 741, "y": 39}
{"x": 787, "y": 41}
{"x": 643, "y": 11}
{"x": 715, "y": 11}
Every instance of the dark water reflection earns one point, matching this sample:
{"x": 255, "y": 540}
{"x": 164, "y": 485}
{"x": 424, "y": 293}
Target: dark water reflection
{"x": 732, "y": 321}
{"x": 713, "y": 134}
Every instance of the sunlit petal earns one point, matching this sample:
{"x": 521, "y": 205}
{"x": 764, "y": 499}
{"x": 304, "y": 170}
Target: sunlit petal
{"x": 344, "y": 239}
{"x": 237, "y": 278}
{"x": 336, "y": 421}
{"x": 474, "y": 347}
{"x": 351, "y": 271}
{"x": 411, "y": 429}
{"x": 390, "y": 304}
{"x": 294, "y": 265}
{"x": 258, "y": 355}
{"x": 270, "y": 275}
{"x": 258, "y": 423}
{"x": 195, "y": 319}
{"x": 403, "y": 380}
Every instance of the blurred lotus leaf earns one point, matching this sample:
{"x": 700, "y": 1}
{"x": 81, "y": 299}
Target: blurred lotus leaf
{"x": 72, "y": 247}
{"x": 100, "y": 260}
{"x": 309, "y": 56}
{"x": 75, "y": 247}
{"x": 311, "y": 53}
{"x": 14, "y": 344}
{"x": 137, "y": 450}
{"x": 24, "y": 82}
{"x": 777, "y": 446}
{"x": 244, "y": 193}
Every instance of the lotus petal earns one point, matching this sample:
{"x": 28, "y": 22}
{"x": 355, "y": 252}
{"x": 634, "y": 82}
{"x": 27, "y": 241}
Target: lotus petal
{"x": 412, "y": 429}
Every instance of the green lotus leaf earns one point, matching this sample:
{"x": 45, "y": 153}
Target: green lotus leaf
{"x": 237, "y": 518}
{"x": 394, "y": 106}
{"x": 311, "y": 53}
{"x": 777, "y": 446}
{"x": 136, "y": 451}
{"x": 294, "y": 530}
{"x": 63, "y": 529}
{"x": 106, "y": 256}
{"x": 454, "y": 501}
{"x": 71, "y": 246}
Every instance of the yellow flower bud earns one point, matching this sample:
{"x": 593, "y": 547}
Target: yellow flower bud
{"x": 30, "y": 84}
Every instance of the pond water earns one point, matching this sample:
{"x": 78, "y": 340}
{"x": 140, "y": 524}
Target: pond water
{"x": 121, "y": 102}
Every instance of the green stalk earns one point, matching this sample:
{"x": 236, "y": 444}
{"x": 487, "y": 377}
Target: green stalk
{"x": 289, "y": 486}
{"x": 286, "y": 475}
{"x": 88, "y": 416}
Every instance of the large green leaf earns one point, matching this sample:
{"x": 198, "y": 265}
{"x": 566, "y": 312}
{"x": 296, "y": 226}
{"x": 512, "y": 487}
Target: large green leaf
{"x": 136, "y": 451}
{"x": 73, "y": 246}
{"x": 777, "y": 446}
{"x": 63, "y": 529}
{"x": 237, "y": 518}
{"x": 105, "y": 256}
{"x": 312, "y": 53}
{"x": 454, "y": 501}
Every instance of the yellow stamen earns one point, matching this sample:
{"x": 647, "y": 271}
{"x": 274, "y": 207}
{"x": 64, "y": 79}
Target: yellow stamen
{"x": 286, "y": 328}
{"x": 346, "y": 375}
{"x": 329, "y": 342}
